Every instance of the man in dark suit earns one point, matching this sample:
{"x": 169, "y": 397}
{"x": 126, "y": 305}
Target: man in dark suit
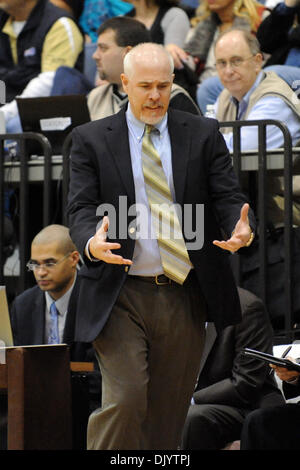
{"x": 276, "y": 428}
{"x": 231, "y": 385}
{"x": 54, "y": 260}
{"x": 156, "y": 289}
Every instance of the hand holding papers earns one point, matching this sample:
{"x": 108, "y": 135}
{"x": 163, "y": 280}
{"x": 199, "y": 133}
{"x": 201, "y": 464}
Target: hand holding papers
{"x": 277, "y": 361}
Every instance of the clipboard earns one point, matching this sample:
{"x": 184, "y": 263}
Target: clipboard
{"x": 277, "y": 361}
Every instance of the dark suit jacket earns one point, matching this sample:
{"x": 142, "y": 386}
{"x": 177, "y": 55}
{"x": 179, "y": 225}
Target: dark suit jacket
{"x": 28, "y": 326}
{"x": 101, "y": 172}
{"x": 278, "y": 34}
{"x": 228, "y": 377}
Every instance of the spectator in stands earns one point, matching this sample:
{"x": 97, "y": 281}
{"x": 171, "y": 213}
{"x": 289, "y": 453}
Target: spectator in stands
{"x": 166, "y": 22}
{"x": 276, "y": 37}
{"x": 36, "y": 38}
{"x": 116, "y": 37}
{"x": 169, "y": 25}
{"x": 279, "y": 34}
{"x": 229, "y": 384}
{"x": 251, "y": 94}
{"x": 212, "y": 19}
{"x": 95, "y": 12}
{"x": 275, "y": 428}
{"x": 46, "y": 313}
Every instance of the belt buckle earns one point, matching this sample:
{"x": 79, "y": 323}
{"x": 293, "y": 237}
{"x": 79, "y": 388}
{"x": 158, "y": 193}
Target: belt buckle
{"x": 161, "y": 283}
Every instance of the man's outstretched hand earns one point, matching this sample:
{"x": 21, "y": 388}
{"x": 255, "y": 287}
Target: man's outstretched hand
{"x": 100, "y": 249}
{"x": 240, "y": 236}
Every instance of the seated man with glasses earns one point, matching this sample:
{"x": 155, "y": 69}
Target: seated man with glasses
{"x": 46, "y": 314}
{"x": 251, "y": 93}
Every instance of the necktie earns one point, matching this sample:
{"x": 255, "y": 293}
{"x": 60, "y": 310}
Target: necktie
{"x": 53, "y": 337}
{"x": 174, "y": 256}
{"x": 237, "y": 105}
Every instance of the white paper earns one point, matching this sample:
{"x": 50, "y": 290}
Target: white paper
{"x": 55, "y": 124}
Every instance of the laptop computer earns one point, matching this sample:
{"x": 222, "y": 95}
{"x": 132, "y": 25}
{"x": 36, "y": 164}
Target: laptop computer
{"x": 6, "y": 336}
{"x": 53, "y": 116}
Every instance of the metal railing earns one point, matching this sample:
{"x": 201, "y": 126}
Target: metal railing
{"x": 258, "y": 190}
{"x": 258, "y": 197}
{"x": 22, "y": 163}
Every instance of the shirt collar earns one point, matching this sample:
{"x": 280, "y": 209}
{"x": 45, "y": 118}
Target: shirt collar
{"x": 243, "y": 104}
{"x": 138, "y": 127}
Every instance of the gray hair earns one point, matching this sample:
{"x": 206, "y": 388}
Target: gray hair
{"x": 146, "y": 51}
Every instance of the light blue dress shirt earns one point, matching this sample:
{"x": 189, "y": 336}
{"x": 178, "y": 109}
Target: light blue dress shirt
{"x": 269, "y": 107}
{"x": 146, "y": 256}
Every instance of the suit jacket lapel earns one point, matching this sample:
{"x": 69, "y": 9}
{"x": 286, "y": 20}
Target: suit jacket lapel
{"x": 118, "y": 142}
{"x": 180, "y": 152}
{"x": 69, "y": 329}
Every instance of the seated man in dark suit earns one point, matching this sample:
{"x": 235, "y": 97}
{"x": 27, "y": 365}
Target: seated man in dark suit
{"x": 46, "y": 313}
{"x": 231, "y": 385}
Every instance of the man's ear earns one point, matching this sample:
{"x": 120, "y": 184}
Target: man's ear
{"x": 258, "y": 61}
{"x": 126, "y": 50}
{"x": 75, "y": 257}
{"x": 124, "y": 80}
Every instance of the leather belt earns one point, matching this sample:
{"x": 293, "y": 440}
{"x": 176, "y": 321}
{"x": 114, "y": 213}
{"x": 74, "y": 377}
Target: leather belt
{"x": 159, "y": 280}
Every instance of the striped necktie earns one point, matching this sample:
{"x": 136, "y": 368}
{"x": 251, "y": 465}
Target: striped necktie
{"x": 53, "y": 337}
{"x": 174, "y": 256}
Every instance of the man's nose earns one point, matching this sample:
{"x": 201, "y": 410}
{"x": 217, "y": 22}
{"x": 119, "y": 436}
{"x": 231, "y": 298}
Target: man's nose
{"x": 154, "y": 94}
{"x": 41, "y": 270}
{"x": 228, "y": 67}
{"x": 96, "y": 55}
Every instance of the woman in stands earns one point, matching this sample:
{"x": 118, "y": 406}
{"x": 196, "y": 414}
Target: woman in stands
{"x": 166, "y": 21}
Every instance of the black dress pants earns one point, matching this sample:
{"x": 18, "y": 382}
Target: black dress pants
{"x": 274, "y": 428}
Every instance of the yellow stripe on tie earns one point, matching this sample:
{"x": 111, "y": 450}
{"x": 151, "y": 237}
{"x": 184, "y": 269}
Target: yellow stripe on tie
{"x": 174, "y": 256}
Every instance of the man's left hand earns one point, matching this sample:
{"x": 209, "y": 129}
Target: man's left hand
{"x": 241, "y": 234}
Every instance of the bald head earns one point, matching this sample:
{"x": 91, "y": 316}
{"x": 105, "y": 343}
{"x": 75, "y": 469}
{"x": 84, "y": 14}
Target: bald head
{"x": 148, "y": 54}
{"x": 235, "y": 36}
{"x": 147, "y": 80}
{"x": 53, "y": 246}
{"x": 58, "y": 234}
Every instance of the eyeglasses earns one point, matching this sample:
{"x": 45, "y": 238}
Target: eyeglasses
{"x": 33, "y": 266}
{"x": 234, "y": 63}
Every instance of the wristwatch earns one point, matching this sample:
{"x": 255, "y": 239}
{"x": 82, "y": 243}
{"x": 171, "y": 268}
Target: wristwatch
{"x": 250, "y": 239}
